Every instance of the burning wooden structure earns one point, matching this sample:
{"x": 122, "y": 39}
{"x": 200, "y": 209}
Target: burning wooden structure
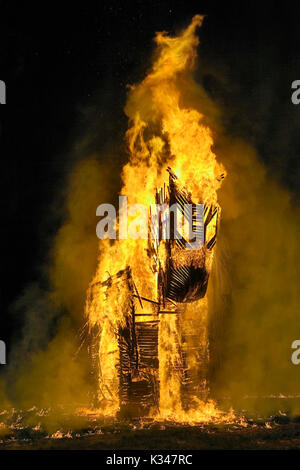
{"x": 182, "y": 276}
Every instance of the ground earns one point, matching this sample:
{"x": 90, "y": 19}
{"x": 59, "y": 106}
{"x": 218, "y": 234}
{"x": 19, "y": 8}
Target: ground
{"x": 48, "y": 429}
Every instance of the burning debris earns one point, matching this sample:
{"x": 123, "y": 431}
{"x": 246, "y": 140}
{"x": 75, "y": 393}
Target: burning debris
{"x": 146, "y": 307}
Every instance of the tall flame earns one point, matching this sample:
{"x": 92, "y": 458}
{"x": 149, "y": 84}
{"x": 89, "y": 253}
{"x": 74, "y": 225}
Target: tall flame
{"x": 162, "y": 133}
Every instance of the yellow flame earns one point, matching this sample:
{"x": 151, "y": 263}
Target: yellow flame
{"x": 163, "y": 132}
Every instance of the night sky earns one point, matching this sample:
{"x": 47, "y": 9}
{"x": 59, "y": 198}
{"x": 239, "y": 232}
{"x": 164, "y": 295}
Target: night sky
{"x": 66, "y": 69}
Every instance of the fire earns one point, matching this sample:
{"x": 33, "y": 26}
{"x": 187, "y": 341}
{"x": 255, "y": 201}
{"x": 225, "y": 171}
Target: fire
{"x": 163, "y": 133}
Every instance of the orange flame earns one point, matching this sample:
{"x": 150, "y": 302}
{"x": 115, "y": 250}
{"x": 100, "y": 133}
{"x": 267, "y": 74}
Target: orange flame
{"x": 162, "y": 133}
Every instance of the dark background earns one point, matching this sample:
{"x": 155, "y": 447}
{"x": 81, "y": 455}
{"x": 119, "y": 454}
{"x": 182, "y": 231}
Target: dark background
{"x": 66, "y": 67}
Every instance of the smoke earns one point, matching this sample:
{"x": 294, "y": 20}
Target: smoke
{"x": 75, "y": 245}
{"x": 47, "y": 366}
{"x": 253, "y": 292}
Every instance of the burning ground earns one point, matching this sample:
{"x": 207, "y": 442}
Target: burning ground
{"x": 48, "y": 429}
